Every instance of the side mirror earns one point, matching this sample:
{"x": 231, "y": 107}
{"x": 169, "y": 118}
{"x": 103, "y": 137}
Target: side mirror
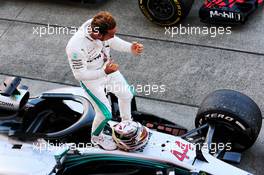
{"x": 13, "y": 98}
{"x": 9, "y": 86}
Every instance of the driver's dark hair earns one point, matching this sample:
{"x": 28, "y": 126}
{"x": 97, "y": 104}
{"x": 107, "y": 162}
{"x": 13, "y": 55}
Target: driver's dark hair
{"x": 102, "y": 22}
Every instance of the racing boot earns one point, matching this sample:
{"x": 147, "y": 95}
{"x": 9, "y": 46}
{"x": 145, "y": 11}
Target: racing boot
{"x": 104, "y": 141}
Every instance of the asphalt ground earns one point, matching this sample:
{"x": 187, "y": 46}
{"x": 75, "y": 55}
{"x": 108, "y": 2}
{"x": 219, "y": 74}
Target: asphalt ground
{"x": 189, "y": 66}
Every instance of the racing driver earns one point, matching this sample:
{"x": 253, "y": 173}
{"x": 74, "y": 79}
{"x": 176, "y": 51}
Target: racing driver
{"x": 88, "y": 53}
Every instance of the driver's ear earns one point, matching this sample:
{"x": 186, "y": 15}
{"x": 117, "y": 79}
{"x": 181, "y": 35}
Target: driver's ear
{"x": 99, "y": 35}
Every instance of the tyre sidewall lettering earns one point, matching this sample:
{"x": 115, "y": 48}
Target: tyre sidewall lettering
{"x": 222, "y": 117}
{"x": 175, "y": 19}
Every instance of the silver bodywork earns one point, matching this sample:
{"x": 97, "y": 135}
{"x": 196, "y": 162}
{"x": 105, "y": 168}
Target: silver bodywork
{"x": 39, "y": 157}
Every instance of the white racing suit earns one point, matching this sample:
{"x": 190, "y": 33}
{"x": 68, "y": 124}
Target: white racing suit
{"x": 87, "y": 58}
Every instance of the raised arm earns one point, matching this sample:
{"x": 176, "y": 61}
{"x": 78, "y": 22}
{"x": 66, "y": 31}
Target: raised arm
{"x": 120, "y": 45}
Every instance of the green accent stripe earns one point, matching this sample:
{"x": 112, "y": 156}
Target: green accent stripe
{"x": 58, "y": 157}
{"x": 102, "y": 107}
{"x": 73, "y": 161}
{"x": 131, "y": 89}
{"x": 100, "y": 127}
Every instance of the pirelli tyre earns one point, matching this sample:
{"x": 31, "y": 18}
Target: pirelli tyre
{"x": 165, "y": 12}
{"x": 237, "y": 118}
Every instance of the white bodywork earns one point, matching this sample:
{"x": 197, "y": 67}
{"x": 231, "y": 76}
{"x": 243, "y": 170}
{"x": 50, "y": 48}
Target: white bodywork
{"x": 30, "y": 159}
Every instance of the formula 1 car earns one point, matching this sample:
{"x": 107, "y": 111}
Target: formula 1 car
{"x": 49, "y": 134}
{"x": 171, "y": 12}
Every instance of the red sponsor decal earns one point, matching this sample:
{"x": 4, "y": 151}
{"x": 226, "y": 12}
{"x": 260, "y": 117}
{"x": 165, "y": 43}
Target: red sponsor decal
{"x": 184, "y": 150}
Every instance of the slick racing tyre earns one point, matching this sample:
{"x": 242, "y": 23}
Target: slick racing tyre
{"x": 237, "y": 118}
{"x": 165, "y": 12}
